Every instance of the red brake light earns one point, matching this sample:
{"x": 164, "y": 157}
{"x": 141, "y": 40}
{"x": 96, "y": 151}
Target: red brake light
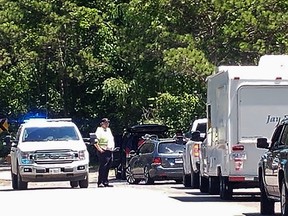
{"x": 238, "y": 148}
{"x": 157, "y": 161}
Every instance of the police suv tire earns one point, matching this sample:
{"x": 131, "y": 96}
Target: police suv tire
{"x": 84, "y": 183}
{"x": 226, "y": 190}
{"x": 74, "y": 184}
{"x": 21, "y": 185}
{"x": 186, "y": 180}
{"x": 14, "y": 181}
{"x": 267, "y": 205}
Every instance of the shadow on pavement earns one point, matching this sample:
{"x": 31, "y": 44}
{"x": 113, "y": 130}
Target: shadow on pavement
{"x": 197, "y": 196}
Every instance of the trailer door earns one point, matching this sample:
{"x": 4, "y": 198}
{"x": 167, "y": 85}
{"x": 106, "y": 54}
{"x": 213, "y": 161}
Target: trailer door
{"x": 260, "y": 108}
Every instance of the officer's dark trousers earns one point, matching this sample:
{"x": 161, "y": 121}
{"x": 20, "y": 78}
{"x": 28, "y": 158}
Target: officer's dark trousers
{"x": 105, "y": 161}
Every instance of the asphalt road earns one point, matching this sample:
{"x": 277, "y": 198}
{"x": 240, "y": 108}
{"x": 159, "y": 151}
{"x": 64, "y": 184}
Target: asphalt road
{"x": 163, "y": 198}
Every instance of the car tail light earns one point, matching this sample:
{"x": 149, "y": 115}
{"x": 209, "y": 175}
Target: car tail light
{"x": 157, "y": 161}
{"x": 195, "y": 151}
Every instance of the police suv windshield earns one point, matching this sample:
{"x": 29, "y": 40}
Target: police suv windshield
{"x": 34, "y": 134}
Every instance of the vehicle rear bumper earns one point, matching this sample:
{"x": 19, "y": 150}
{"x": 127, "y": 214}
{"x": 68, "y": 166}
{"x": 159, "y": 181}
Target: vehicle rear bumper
{"x": 166, "y": 173}
{"x": 244, "y": 181}
{"x": 54, "y": 173}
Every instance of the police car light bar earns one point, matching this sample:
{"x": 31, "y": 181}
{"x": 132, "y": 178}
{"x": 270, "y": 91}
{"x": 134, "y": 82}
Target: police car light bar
{"x": 59, "y": 120}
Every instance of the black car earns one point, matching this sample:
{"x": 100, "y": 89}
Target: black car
{"x": 156, "y": 159}
{"x": 273, "y": 170}
{"x": 132, "y": 138}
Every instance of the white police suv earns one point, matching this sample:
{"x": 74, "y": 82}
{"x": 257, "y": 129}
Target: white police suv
{"x": 49, "y": 150}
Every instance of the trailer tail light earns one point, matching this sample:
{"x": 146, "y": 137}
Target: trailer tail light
{"x": 238, "y": 148}
{"x": 195, "y": 151}
{"x": 157, "y": 161}
{"x": 238, "y": 164}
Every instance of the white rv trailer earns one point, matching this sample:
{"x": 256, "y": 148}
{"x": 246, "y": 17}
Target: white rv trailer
{"x": 243, "y": 103}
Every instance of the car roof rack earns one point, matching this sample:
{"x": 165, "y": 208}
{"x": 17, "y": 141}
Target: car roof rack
{"x": 150, "y": 136}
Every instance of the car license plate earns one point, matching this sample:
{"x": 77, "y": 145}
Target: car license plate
{"x": 238, "y": 155}
{"x": 178, "y": 160}
{"x": 54, "y": 170}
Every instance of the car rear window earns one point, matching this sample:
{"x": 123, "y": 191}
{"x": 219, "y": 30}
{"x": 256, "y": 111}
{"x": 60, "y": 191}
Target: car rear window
{"x": 201, "y": 127}
{"x": 32, "y": 134}
{"x": 170, "y": 148}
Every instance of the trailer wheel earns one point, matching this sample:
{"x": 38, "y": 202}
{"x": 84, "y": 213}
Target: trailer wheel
{"x": 226, "y": 189}
{"x": 186, "y": 180}
{"x": 203, "y": 184}
{"x": 194, "y": 180}
{"x": 214, "y": 185}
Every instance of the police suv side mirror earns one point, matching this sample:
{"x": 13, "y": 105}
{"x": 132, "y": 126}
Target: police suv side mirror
{"x": 262, "y": 143}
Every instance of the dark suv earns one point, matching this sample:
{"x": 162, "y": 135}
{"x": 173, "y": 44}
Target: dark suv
{"x": 132, "y": 138}
{"x": 273, "y": 170}
{"x": 156, "y": 159}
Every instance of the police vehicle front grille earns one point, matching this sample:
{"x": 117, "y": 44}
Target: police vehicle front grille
{"x": 55, "y": 157}
{"x": 54, "y": 161}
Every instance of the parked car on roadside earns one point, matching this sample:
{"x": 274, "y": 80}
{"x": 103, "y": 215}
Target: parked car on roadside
{"x": 132, "y": 138}
{"x": 273, "y": 170}
{"x": 198, "y": 125}
{"x": 155, "y": 160}
{"x": 191, "y": 161}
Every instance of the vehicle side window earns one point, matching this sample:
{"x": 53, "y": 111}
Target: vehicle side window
{"x": 284, "y": 138}
{"x": 276, "y": 135}
{"x": 147, "y": 147}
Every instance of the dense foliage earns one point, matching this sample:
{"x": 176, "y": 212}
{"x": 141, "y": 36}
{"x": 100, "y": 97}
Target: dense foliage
{"x": 131, "y": 61}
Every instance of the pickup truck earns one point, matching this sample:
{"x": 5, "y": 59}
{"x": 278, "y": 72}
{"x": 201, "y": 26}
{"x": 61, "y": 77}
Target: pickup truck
{"x": 191, "y": 163}
{"x": 273, "y": 170}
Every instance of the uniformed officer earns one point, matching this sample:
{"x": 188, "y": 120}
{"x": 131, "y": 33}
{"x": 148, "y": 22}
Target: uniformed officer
{"x": 105, "y": 145}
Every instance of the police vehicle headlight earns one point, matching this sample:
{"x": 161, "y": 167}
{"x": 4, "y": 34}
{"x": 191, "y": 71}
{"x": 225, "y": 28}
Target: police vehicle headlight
{"x": 26, "y": 157}
{"x": 82, "y": 155}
